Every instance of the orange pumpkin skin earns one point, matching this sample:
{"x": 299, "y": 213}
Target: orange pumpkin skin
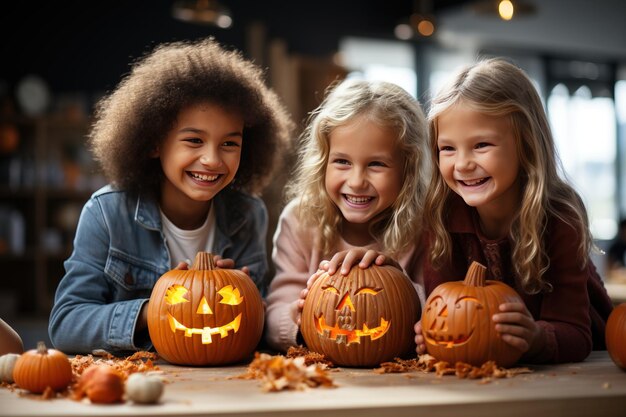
{"x": 102, "y": 384}
{"x": 37, "y": 369}
{"x": 205, "y": 316}
{"x": 361, "y": 319}
{"x": 615, "y": 335}
{"x": 457, "y": 325}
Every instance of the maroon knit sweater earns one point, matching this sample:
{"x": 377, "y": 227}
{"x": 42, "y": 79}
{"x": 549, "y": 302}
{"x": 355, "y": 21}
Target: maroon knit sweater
{"x": 573, "y": 315}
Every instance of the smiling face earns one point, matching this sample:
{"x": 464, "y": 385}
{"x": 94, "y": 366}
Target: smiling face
{"x": 343, "y": 327}
{"x": 200, "y": 157}
{"x": 443, "y": 327}
{"x": 364, "y": 170}
{"x": 478, "y": 159}
{"x": 457, "y": 321}
{"x": 178, "y": 295}
{"x": 205, "y": 316}
{"x": 363, "y": 318}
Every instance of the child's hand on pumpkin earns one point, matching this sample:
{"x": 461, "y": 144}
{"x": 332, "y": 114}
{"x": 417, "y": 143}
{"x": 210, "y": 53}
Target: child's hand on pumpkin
{"x": 420, "y": 347}
{"x": 224, "y": 263}
{"x": 182, "y": 265}
{"x": 309, "y": 284}
{"x": 227, "y": 263}
{"x": 348, "y": 258}
{"x": 299, "y": 304}
{"x": 518, "y": 328}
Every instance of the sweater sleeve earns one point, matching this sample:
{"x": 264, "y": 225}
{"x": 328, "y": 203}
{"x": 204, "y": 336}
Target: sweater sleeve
{"x": 564, "y": 311}
{"x": 412, "y": 266}
{"x": 292, "y": 259}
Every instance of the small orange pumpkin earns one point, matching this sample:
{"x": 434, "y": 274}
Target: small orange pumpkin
{"x": 361, "y": 319}
{"x": 457, "y": 325}
{"x": 205, "y": 315}
{"x": 37, "y": 369}
{"x": 615, "y": 335}
{"x": 102, "y": 384}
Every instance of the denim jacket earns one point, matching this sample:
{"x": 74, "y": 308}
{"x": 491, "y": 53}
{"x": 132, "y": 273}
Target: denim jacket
{"x": 120, "y": 252}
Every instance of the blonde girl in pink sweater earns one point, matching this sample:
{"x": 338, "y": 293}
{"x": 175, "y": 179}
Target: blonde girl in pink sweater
{"x": 359, "y": 182}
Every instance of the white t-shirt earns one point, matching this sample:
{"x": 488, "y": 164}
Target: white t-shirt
{"x": 185, "y": 244}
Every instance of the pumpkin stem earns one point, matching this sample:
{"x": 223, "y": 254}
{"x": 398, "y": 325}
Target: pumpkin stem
{"x": 41, "y": 348}
{"x": 203, "y": 262}
{"x": 475, "y": 276}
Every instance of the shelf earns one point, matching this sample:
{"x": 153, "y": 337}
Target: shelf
{"x": 28, "y": 256}
{"x": 47, "y": 179}
{"x": 7, "y": 192}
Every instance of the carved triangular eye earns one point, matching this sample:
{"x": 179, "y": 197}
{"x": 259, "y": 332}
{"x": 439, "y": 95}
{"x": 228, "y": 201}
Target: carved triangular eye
{"x": 368, "y": 290}
{"x": 332, "y": 289}
{"x": 230, "y": 296}
{"x": 176, "y": 295}
{"x": 468, "y": 298}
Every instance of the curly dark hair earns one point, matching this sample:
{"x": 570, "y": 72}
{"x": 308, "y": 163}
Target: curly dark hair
{"x": 135, "y": 118}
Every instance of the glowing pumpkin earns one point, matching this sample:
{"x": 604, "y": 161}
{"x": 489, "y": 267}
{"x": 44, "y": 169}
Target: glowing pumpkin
{"x": 615, "y": 335}
{"x": 457, "y": 325}
{"x": 363, "y": 318}
{"x": 205, "y": 315}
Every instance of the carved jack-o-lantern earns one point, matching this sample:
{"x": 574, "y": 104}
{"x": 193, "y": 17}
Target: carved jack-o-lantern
{"x": 204, "y": 315}
{"x": 456, "y": 321}
{"x": 363, "y": 318}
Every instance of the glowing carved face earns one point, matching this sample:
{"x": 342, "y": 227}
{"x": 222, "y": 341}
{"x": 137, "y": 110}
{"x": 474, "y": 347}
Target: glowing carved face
{"x": 363, "y": 318}
{"x": 442, "y": 328}
{"x": 345, "y": 329}
{"x": 176, "y": 294}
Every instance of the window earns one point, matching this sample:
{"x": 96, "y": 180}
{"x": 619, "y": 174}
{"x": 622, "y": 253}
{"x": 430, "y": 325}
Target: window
{"x": 381, "y": 60}
{"x": 582, "y": 116}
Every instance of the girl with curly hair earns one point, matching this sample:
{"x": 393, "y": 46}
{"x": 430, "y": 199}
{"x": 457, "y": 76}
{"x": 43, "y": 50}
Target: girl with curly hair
{"x": 498, "y": 198}
{"x": 359, "y": 185}
{"x": 188, "y": 140}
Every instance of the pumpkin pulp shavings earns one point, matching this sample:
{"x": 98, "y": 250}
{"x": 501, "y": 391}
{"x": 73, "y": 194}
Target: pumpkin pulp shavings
{"x": 282, "y": 373}
{"x": 141, "y": 361}
{"x": 309, "y": 357}
{"x": 427, "y": 363}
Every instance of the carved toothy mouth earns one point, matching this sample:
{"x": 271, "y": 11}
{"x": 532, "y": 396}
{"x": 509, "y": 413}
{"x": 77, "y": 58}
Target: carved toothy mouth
{"x": 348, "y": 336}
{"x": 447, "y": 340}
{"x": 206, "y": 332}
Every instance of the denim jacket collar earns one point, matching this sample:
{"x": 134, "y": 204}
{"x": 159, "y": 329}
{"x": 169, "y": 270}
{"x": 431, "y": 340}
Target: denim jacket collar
{"x": 227, "y": 216}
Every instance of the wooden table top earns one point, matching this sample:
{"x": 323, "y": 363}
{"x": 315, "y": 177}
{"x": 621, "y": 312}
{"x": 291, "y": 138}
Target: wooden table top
{"x": 595, "y": 387}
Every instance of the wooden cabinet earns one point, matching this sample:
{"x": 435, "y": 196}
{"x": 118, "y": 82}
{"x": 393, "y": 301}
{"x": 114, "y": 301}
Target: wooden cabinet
{"x": 44, "y": 182}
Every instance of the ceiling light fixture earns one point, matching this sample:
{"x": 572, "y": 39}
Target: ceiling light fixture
{"x": 421, "y": 23}
{"x": 204, "y": 12}
{"x": 505, "y": 9}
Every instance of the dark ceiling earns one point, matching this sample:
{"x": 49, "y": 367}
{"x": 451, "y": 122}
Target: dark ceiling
{"x": 87, "y": 46}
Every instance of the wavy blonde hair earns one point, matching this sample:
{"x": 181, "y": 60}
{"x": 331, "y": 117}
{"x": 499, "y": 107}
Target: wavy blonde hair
{"x": 498, "y": 88}
{"x": 385, "y": 104}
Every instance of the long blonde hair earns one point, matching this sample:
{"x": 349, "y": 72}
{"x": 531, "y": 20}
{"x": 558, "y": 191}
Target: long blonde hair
{"x": 498, "y": 88}
{"x": 387, "y": 105}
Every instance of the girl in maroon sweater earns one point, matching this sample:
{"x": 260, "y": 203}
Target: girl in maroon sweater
{"x": 497, "y": 198}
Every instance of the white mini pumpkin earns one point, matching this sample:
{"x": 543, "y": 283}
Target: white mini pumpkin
{"x": 144, "y": 389}
{"x": 7, "y": 363}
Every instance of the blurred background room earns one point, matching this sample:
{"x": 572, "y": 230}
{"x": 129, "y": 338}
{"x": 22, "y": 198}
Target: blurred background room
{"x": 58, "y": 58}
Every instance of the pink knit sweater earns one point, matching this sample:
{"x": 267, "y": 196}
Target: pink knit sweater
{"x": 296, "y": 258}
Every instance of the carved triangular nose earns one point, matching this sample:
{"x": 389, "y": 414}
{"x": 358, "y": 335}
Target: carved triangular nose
{"x": 203, "y": 307}
{"x": 345, "y": 302}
